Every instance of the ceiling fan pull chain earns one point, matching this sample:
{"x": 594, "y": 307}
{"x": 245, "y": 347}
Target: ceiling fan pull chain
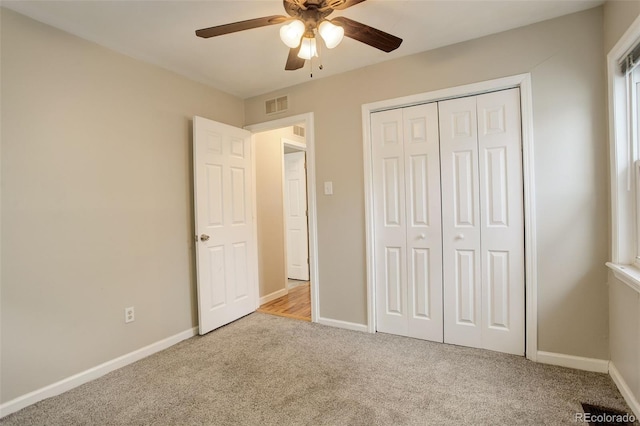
{"x": 319, "y": 50}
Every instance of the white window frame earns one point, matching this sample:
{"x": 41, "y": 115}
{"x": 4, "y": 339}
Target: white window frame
{"x": 636, "y": 192}
{"x": 633, "y": 145}
{"x": 624, "y": 152}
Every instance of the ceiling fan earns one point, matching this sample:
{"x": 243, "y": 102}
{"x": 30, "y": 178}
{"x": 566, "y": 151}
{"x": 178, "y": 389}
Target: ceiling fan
{"x": 307, "y": 19}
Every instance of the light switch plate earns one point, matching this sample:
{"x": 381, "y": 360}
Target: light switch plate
{"x": 328, "y": 188}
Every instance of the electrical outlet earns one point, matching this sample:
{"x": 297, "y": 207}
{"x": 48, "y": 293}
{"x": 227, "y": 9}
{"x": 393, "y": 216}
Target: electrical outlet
{"x": 129, "y": 314}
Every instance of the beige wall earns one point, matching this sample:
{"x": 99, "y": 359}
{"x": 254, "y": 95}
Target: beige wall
{"x": 624, "y": 329}
{"x": 272, "y": 268}
{"x": 96, "y": 202}
{"x": 618, "y": 16}
{"x": 269, "y": 202}
{"x": 564, "y": 57}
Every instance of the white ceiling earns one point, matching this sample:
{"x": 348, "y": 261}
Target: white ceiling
{"x": 252, "y": 62}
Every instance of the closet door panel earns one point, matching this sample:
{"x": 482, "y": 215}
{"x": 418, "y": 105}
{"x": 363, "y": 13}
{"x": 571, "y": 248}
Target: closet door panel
{"x": 389, "y": 221}
{"x": 460, "y": 222}
{"x": 502, "y": 226}
{"x": 423, "y": 219}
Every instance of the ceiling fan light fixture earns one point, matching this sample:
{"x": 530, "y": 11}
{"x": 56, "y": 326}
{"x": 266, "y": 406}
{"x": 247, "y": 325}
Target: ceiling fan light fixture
{"x": 307, "y": 22}
{"x": 308, "y": 48}
{"x": 291, "y": 33}
{"x": 331, "y": 34}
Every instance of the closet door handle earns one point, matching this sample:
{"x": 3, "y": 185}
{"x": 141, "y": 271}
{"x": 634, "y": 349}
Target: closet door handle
{"x": 422, "y": 236}
{"x": 459, "y": 236}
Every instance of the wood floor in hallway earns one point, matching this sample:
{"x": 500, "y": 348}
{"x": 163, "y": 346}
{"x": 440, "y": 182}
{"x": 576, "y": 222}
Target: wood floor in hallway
{"x": 296, "y": 304}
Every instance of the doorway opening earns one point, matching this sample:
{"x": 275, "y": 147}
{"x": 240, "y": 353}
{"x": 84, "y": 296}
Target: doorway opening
{"x": 285, "y": 216}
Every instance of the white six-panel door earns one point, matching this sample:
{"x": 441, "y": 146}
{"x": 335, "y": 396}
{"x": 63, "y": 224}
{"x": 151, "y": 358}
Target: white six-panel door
{"x": 483, "y": 221}
{"x": 296, "y": 216}
{"x": 225, "y": 247}
{"x": 460, "y": 222}
{"x": 390, "y": 228}
{"x": 502, "y": 221}
{"x": 449, "y": 225}
{"x": 424, "y": 230}
{"x": 408, "y": 248}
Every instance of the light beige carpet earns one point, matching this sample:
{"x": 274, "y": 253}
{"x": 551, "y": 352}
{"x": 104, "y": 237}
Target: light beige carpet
{"x": 267, "y": 370}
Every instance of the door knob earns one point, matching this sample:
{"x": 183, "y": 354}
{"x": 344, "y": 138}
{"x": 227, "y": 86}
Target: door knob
{"x": 460, "y": 237}
{"x": 422, "y": 236}
{"x": 204, "y": 237}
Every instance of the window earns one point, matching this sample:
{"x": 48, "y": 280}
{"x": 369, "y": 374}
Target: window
{"x": 623, "y": 64}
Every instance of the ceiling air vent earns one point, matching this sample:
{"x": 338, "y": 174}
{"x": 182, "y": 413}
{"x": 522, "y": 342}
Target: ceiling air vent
{"x": 298, "y": 131}
{"x": 276, "y": 105}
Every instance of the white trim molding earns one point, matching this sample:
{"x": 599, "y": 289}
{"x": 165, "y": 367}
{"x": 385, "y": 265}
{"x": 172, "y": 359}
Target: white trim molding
{"x": 628, "y": 274}
{"x": 624, "y": 389}
{"x": 522, "y": 81}
{"x": 273, "y": 296}
{"x": 300, "y": 146}
{"x": 308, "y": 120}
{"x": 623, "y": 247}
{"x": 343, "y": 324}
{"x": 575, "y": 362}
{"x": 93, "y": 373}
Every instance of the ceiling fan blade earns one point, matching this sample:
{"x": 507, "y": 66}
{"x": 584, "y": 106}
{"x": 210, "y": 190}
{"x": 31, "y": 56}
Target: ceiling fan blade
{"x": 293, "y": 61}
{"x": 368, "y": 35}
{"x": 241, "y": 26}
{"x": 346, "y": 4}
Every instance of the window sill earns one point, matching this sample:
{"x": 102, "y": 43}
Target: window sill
{"x": 628, "y": 274}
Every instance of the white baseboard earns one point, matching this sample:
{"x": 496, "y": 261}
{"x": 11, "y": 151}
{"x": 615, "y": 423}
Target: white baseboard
{"x": 572, "y": 361}
{"x": 343, "y": 324}
{"x": 273, "y": 296}
{"x": 625, "y": 390}
{"x": 92, "y": 373}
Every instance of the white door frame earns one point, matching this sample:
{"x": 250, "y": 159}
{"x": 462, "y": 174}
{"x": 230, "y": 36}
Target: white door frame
{"x": 308, "y": 121}
{"x": 522, "y": 81}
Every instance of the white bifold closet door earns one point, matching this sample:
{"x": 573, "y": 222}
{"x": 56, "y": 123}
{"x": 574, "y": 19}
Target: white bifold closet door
{"x": 482, "y": 221}
{"x": 448, "y": 221}
{"x": 408, "y": 239}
